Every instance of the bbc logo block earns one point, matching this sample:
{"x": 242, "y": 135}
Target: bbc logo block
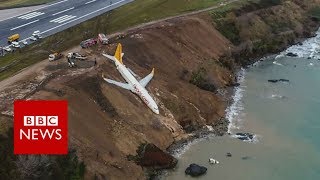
{"x": 40, "y": 127}
{"x": 40, "y": 120}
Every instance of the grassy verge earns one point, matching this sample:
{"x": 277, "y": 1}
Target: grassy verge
{"x": 137, "y": 12}
{"x": 6, "y": 4}
{"x": 315, "y": 12}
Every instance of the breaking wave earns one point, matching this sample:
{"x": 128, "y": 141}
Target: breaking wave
{"x": 233, "y": 111}
{"x": 308, "y": 49}
{"x": 276, "y": 63}
{"x": 185, "y": 146}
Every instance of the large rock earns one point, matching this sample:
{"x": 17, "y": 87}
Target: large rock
{"x": 278, "y": 80}
{"x": 284, "y": 80}
{"x": 273, "y": 80}
{"x": 245, "y": 136}
{"x": 195, "y": 170}
{"x": 150, "y": 156}
{"x": 291, "y": 54}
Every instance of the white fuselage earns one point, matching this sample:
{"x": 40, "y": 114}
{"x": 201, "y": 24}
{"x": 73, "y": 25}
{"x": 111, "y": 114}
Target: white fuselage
{"x": 136, "y": 87}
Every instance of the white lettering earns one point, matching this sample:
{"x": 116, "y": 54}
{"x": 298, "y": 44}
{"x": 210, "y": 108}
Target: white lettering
{"x": 58, "y": 134}
{"x": 47, "y": 132}
{"x": 41, "y": 120}
{"x": 28, "y": 120}
{"x": 52, "y": 121}
{"x": 34, "y": 134}
{"x": 25, "y": 135}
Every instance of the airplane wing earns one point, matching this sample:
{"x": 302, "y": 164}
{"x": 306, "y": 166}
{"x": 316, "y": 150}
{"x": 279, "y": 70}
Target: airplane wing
{"x": 120, "y": 84}
{"x": 146, "y": 79}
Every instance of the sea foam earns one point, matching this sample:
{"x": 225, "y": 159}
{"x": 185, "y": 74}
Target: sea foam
{"x": 233, "y": 111}
{"x": 308, "y": 49}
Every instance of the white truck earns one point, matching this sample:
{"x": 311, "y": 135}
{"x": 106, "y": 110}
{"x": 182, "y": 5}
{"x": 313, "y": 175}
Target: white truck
{"x": 35, "y": 35}
{"x": 15, "y": 44}
{"x": 103, "y": 38}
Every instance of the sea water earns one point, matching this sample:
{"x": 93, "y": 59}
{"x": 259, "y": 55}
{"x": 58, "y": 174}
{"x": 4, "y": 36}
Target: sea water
{"x": 284, "y": 116}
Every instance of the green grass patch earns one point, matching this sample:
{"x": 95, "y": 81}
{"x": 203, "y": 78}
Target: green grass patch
{"x": 6, "y": 4}
{"x": 137, "y": 12}
{"x": 315, "y": 12}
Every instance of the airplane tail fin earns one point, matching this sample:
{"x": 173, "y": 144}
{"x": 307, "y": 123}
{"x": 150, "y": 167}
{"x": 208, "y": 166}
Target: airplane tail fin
{"x": 118, "y": 54}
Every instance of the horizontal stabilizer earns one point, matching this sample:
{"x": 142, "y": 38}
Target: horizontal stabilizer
{"x": 147, "y": 79}
{"x": 109, "y": 57}
{"x": 120, "y": 84}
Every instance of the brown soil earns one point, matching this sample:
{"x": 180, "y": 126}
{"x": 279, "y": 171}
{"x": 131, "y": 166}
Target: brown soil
{"x": 107, "y": 123}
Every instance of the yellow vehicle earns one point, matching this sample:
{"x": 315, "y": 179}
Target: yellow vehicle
{"x": 55, "y": 56}
{"x": 14, "y": 37}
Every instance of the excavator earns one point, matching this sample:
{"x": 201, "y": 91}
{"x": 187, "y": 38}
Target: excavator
{"x": 55, "y": 56}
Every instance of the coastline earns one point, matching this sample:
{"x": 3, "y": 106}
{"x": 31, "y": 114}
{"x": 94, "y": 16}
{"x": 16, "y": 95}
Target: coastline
{"x": 178, "y": 148}
{"x": 188, "y": 107}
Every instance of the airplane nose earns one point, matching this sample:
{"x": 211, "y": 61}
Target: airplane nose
{"x": 156, "y": 111}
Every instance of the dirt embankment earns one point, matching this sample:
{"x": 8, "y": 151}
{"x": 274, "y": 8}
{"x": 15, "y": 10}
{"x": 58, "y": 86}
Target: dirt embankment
{"x": 107, "y": 123}
{"x": 257, "y": 31}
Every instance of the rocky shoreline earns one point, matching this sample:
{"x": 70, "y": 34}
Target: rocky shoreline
{"x": 241, "y": 55}
{"x": 196, "y": 58}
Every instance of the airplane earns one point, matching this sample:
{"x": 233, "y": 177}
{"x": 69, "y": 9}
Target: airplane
{"x": 135, "y": 86}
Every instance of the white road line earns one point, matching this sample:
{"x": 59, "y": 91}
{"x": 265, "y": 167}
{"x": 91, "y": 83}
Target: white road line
{"x": 26, "y": 15}
{"x": 35, "y": 9}
{"x": 24, "y": 25}
{"x": 31, "y": 15}
{"x": 57, "y": 19}
{"x": 90, "y": 2}
{"x": 57, "y": 3}
{"x": 78, "y": 18}
{"x": 83, "y": 16}
{"x": 62, "y": 11}
{"x": 65, "y": 19}
{"x": 62, "y": 19}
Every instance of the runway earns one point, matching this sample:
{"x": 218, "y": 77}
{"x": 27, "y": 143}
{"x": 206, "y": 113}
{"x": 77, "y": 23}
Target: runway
{"x": 55, "y": 17}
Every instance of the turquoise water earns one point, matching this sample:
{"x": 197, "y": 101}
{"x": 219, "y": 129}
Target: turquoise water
{"x": 284, "y": 116}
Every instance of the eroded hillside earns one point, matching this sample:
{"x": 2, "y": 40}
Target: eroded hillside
{"x": 107, "y": 123}
{"x": 194, "y": 70}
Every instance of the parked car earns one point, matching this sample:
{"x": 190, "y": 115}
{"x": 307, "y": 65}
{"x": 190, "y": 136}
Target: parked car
{"x": 89, "y": 42}
{"x": 7, "y": 49}
{"x": 16, "y": 44}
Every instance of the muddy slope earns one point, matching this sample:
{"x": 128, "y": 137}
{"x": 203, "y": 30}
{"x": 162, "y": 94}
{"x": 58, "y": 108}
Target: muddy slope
{"x": 107, "y": 123}
{"x": 194, "y": 69}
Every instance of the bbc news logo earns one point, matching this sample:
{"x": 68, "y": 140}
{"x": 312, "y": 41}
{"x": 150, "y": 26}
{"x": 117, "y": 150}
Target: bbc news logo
{"x": 35, "y": 134}
{"x": 40, "y": 127}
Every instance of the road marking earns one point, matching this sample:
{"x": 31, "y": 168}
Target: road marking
{"x": 62, "y": 19}
{"x": 24, "y": 25}
{"x": 62, "y": 11}
{"x": 84, "y": 16}
{"x": 79, "y": 18}
{"x": 30, "y": 15}
{"x": 57, "y": 19}
{"x": 35, "y": 9}
{"x": 57, "y": 3}
{"x": 90, "y": 2}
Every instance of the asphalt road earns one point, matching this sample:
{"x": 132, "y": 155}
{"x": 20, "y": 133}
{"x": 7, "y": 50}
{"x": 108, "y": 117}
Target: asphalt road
{"x": 55, "y": 17}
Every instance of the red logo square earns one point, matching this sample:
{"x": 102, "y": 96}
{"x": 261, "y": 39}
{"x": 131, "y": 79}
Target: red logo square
{"x": 40, "y": 127}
